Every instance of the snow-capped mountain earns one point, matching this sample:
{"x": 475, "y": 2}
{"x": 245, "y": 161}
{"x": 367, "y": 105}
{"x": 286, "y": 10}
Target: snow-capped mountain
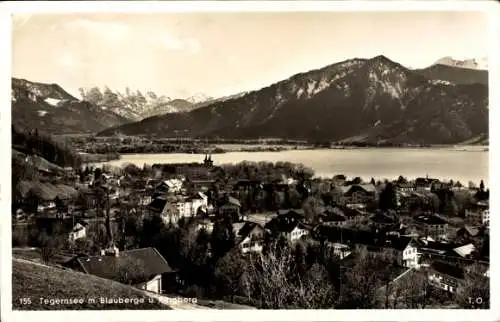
{"x": 369, "y": 100}
{"x": 199, "y": 98}
{"x": 50, "y": 108}
{"x": 137, "y": 106}
{"x": 472, "y": 63}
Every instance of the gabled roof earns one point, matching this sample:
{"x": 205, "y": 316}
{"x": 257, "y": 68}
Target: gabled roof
{"x": 473, "y": 231}
{"x": 292, "y": 212}
{"x": 331, "y": 216}
{"x": 435, "y": 246}
{"x": 448, "y": 269}
{"x": 152, "y": 263}
{"x": 278, "y": 225}
{"x": 368, "y": 187}
{"x": 425, "y": 181}
{"x": 464, "y": 250}
{"x": 78, "y": 227}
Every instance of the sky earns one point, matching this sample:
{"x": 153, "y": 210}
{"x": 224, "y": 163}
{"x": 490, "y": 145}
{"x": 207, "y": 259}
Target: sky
{"x": 218, "y": 54}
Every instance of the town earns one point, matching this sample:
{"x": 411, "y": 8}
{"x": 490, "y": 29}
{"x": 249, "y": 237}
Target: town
{"x": 264, "y": 235}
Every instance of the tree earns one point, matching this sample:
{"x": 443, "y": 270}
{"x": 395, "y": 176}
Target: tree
{"x": 312, "y": 208}
{"x": 132, "y": 170}
{"x": 372, "y": 181}
{"x": 272, "y": 280}
{"x": 48, "y": 246}
{"x": 82, "y": 92}
{"x": 402, "y": 179}
{"x": 229, "y": 272}
{"x": 83, "y": 245}
{"x": 481, "y": 186}
{"x": 357, "y": 180}
{"x": 94, "y": 96}
{"x": 223, "y": 238}
{"x": 130, "y": 270}
{"x": 388, "y": 198}
{"x": 358, "y": 289}
{"x": 474, "y": 291}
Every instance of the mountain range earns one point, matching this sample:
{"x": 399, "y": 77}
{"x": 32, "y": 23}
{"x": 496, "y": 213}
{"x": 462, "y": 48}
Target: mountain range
{"x": 358, "y": 100}
{"x": 135, "y": 106}
{"x": 50, "y": 108}
{"x": 473, "y": 63}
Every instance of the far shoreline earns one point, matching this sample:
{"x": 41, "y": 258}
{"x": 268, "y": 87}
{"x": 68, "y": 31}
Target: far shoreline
{"x": 285, "y": 148}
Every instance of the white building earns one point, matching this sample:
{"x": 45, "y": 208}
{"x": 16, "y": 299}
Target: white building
{"x": 297, "y": 232}
{"x": 79, "y": 231}
{"x": 479, "y": 214}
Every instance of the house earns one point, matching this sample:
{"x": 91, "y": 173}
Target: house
{"x": 403, "y": 249}
{"x": 430, "y": 250}
{"x": 332, "y": 218}
{"x": 248, "y": 185}
{"x": 425, "y": 184}
{"x": 358, "y": 194}
{"x": 230, "y": 207}
{"x": 174, "y": 208}
{"x": 250, "y": 237}
{"x": 465, "y": 251}
{"x": 45, "y": 205}
{"x": 143, "y": 268}
{"x": 295, "y": 231}
{"x": 78, "y": 231}
{"x": 339, "y": 249}
{"x": 470, "y": 233}
{"x": 168, "y": 211}
{"x": 445, "y": 276}
{"x": 406, "y": 187}
{"x": 431, "y": 225}
{"x": 170, "y": 186}
{"x": 289, "y": 227}
{"x": 383, "y": 221}
{"x": 197, "y": 201}
{"x": 201, "y": 185}
{"x": 110, "y": 180}
{"x": 339, "y": 180}
{"x": 291, "y": 214}
{"x": 478, "y": 214}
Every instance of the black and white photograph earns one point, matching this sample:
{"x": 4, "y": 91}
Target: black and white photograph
{"x": 240, "y": 159}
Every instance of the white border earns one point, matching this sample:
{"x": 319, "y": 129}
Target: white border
{"x": 6, "y": 9}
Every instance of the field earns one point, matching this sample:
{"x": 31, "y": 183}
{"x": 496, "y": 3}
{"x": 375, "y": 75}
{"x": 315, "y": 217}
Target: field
{"x": 31, "y": 283}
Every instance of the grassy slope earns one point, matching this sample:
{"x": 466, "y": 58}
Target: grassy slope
{"x": 34, "y": 281}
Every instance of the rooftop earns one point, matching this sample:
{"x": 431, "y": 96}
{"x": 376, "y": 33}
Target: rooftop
{"x": 429, "y": 219}
{"x": 150, "y": 260}
{"x": 448, "y": 269}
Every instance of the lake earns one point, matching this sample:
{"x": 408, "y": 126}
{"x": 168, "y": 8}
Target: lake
{"x": 464, "y": 164}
